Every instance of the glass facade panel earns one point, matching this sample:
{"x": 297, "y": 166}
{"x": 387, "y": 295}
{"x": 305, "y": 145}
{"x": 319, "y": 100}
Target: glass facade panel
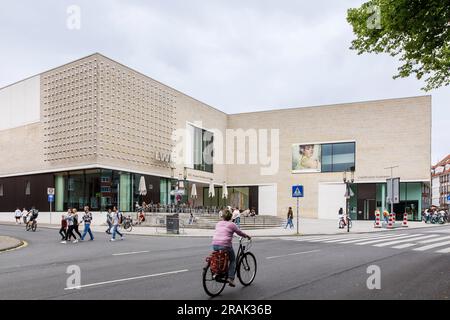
{"x": 327, "y": 153}
{"x": 125, "y": 186}
{"x": 203, "y": 149}
{"x": 92, "y": 189}
{"x": 59, "y": 192}
{"x": 76, "y": 192}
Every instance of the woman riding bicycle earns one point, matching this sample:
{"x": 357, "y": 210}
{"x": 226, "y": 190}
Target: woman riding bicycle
{"x": 222, "y": 240}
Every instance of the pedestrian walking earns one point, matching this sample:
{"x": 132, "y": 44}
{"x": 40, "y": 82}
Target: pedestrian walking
{"x": 70, "y": 226}
{"x": 76, "y": 222}
{"x": 109, "y": 221}
{"x": 18, "y": 215}
{"x": 24, "y": 215}
{"x": 63, "y": 230}
{"x": 237, "y": 217}
{"x": 116, "y": 223}
{"x": 290, "y": 217}
{"x": 87, "y": 219}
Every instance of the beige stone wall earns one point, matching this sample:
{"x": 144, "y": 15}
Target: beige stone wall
{"x": 386, "y": 132}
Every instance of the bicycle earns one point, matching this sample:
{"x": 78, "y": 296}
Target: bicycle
{"x": 246, "y": 268}
{"x": 342, "y": 223}
{"x": 127, "y": 224}
{"x": 31, "y": 225}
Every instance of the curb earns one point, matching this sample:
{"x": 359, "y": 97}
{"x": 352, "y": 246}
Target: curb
{"x": 22, "y": 244}
{"x": 255, "y": 236}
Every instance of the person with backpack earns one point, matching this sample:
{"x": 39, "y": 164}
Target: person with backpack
{"x": 87, "y": 219}
{"x": 116, "y": 222}
{"x": 222, "y": 240}
{"x": 70, "y": 226}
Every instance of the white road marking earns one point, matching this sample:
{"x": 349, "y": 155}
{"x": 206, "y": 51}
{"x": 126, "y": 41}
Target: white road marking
{"x": 380, "y": 240}
{"x": 434, "y": 240}
{"x": 126, "y": 279}
{"x": 446, "y": 250}
{"x": 292, "y": 254}
{"x": 385, "y": 244}
{"x": 431, "y": 246}
{"x": 374, "y": 238}
{"x": 127, "y": 253}
{"x": 406, "y": 245}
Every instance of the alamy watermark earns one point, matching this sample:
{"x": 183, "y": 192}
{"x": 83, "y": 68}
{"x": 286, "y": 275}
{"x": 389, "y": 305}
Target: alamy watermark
{"x": 234, "y": 146}
{"x": 73, "y": 21}
{"x": 74, "y": 279}
{"x": 374, "y": 20}
{"x": 374, "y": 280}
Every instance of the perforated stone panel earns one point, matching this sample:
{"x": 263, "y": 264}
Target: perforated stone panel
{"x": 69, "y": 111}
{"x": 137, "y": 115}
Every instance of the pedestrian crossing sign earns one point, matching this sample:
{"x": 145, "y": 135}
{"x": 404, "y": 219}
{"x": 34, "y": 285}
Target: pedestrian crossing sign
{"x": 297, "y": 191}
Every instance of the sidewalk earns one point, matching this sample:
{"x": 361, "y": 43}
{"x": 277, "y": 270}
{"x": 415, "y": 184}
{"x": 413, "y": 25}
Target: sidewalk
{"x": 306, "y": 227}
{"x": 8, "y": 243}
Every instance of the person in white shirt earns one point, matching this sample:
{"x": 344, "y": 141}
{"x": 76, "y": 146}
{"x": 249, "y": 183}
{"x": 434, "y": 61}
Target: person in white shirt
{"x": 24, "y": 215}
{"x": 18, "y": 215}
{"x": 236, "y": 218}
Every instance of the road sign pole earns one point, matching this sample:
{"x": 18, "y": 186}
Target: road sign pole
{"x": 297, "y": 216}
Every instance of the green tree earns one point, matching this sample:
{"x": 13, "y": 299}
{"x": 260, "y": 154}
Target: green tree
{"x": 416, "y": 30}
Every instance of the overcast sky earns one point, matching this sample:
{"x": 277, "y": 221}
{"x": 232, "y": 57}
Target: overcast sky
{"x": 237, "y": 56}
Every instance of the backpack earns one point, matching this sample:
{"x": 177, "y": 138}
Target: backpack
{"x": 219, "y": 261}
{"x": 120, "y": 216}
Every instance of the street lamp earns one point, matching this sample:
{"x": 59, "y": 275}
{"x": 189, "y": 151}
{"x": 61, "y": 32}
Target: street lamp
{"x": 348, "y": 182}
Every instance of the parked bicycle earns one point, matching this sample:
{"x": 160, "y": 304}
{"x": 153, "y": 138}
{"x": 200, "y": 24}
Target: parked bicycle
{"x": 214, "y": 283}
{"x": 127, "y": 224}
{"x": 343, "y": 224}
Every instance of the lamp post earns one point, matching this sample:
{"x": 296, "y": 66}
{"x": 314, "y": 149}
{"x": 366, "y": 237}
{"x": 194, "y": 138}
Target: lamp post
{"x": 348, "y": 182}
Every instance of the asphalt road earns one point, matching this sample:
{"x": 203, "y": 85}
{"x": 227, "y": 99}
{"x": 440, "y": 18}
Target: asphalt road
{"x": 142, "y": 267}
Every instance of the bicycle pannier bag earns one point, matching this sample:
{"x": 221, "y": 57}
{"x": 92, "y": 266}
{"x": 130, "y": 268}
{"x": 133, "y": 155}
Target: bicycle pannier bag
{"x": 219, "y": 261}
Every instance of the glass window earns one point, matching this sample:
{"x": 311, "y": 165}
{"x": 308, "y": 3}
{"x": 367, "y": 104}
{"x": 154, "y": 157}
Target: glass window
{"x": 203, "y": 149}
{"x": 338, "y": 157}
{"x": 327, "y": 153}
{"x": 1, "y": 190}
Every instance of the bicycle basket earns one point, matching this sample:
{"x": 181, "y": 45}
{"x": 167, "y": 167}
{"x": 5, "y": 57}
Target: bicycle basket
{"x": 219, "y": 261}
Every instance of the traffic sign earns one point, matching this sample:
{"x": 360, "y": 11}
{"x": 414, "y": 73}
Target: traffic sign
{"x": 51, "y": 198}
{"x": 448, "y": 198}
{"x": 51, "y": 191}
{"x": 297, "y": 191}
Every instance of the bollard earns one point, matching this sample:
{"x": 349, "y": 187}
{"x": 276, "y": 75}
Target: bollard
{"x": 377, "y": 219}
{"x": 405, "y": 220}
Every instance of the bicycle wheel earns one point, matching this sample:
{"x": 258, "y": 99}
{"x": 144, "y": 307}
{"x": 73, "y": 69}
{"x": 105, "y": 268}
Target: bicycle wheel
{"x": 350, "y": 223}
{"x": 34, "y": 227}
{"x": 246, "y": 268}
{"x": 27, "y": 227}
{"x": 211, "y": 286}
{"x": 128, "y": 227}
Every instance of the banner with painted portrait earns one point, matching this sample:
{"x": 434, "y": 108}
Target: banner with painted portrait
{"x": 306, "y": 158}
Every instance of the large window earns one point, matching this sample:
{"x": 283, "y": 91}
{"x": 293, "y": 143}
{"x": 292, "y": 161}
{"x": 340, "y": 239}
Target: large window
{"x": 338, "y": 157}
{"x": 202, "y": 147}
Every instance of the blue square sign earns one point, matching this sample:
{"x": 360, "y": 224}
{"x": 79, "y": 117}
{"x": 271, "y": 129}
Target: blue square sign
{"x": 297, "y": 191}
{"x": 51, "y": 198}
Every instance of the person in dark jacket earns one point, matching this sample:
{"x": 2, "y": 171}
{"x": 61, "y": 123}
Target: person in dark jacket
{"x": 63, "y": 229}
{"x": 290, "y": 217}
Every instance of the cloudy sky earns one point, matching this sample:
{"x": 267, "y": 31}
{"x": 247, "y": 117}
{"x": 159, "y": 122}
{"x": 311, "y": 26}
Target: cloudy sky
{"x": 237, "y": 56}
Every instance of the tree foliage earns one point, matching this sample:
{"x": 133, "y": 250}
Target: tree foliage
{"x": 418, "y": 31}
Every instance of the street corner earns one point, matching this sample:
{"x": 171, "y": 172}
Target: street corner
{"x": 9, "y": 243}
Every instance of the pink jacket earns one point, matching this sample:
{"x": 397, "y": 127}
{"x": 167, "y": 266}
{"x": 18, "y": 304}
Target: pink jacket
{"x": 223, "y": 235}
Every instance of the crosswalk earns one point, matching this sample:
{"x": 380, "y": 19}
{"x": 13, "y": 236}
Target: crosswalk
{"x": 419, "y": 242}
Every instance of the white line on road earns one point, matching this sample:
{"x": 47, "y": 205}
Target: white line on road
{"x": 374, "y": 238}
{"x": 292, "y": 254}
{"x": 431, "y": 246}
{"x": 126, "y": 279}
{"x": 127, "y": 253}
{"x": 434, "y": 240}
{"x": 403, "y": 246}
{"x": 385, "y": 244}
{"x": 395, "y": 237}
{"x": 446, "y": 250}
